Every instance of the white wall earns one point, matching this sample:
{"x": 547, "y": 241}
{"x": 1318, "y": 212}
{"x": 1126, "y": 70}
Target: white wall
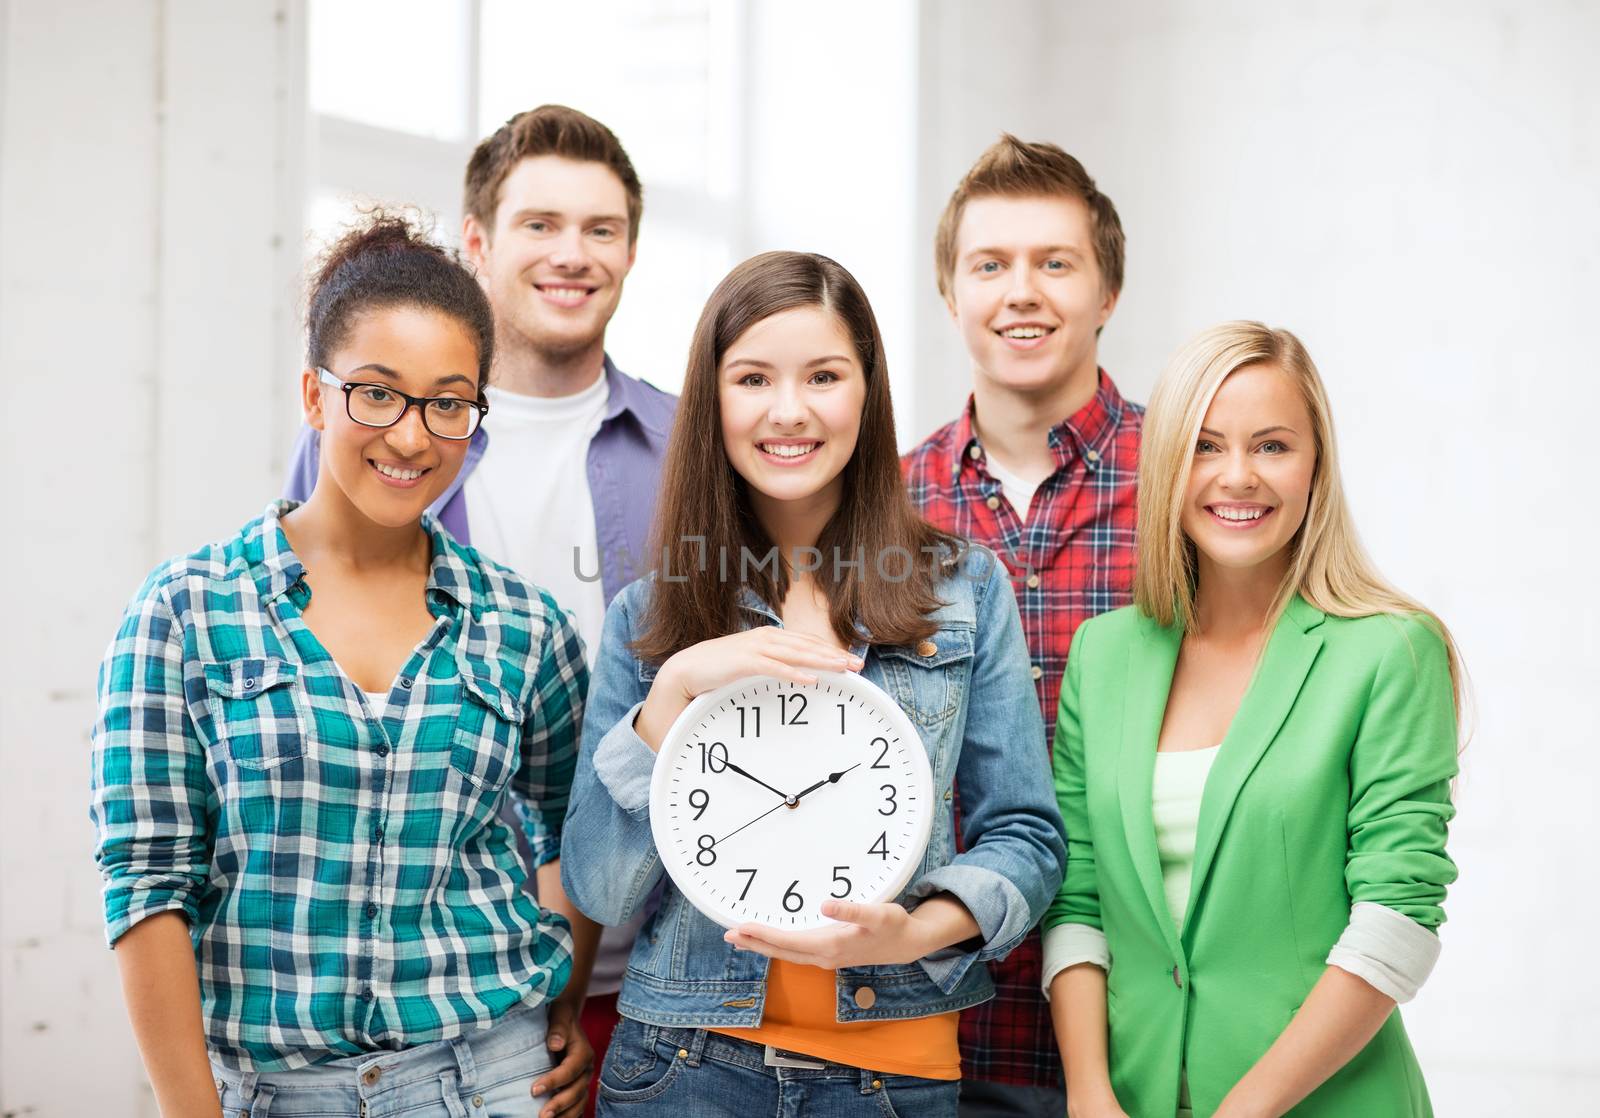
{"x": 149, "y": 213}
{"x": 1412, "y": 189}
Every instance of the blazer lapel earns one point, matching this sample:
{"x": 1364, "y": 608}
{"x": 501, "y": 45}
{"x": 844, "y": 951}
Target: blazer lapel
{"x": 1151, "y": 661}
{"x": 1287, "y": 660}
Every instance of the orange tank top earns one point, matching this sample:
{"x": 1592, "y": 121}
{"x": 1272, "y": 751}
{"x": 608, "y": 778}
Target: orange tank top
{"x": 801, "y": 1016}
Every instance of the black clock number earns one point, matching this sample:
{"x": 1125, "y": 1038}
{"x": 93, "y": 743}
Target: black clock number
{"x": 755, "y": 720}
{"x": 891, "y": 806}
{"x": 842, "y": 881}
{"x": 701, "y": 804}
{"x": 841, "y": 717}
{"x": 713, "y": 757}
{"x": 881, "y": 847}
{"x": 745, "y": 892}
{"x": 790, "y": 895}
{"x": 707, "y": 854}
{"x": 883, "y": 751}
{"x": 795, "y": 717}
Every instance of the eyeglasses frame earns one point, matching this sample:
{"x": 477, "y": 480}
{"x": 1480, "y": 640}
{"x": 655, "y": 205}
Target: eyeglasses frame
{"x": 418, "y": 402}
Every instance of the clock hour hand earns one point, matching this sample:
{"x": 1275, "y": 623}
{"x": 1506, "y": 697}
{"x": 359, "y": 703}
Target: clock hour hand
{"x": 788, "y": 799}
{"x": 831, "y": 778}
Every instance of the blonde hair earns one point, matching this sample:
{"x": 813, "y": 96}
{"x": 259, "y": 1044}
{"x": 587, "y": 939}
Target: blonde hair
{"x": 1328, "y": 566}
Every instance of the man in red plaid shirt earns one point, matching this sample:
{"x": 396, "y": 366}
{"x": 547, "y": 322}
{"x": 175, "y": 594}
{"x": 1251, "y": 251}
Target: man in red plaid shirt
{"x": 1041, "y": 466}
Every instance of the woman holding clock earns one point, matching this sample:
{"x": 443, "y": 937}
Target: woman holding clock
{"x": 791, "y": 551}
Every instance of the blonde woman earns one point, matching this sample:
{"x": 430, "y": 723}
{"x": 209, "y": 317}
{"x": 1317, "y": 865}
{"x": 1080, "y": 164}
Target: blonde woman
{"x": 1254, "y": 764}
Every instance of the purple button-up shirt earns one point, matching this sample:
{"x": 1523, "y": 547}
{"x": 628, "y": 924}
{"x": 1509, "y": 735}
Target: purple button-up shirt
{"x": 624, "y": 469}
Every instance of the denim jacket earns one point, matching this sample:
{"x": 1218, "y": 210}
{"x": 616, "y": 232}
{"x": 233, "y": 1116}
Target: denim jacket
{"x": 972, "y": 702}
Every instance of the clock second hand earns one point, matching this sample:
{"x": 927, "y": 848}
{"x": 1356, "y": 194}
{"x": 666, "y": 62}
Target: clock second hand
{"x": 757, "y": 819}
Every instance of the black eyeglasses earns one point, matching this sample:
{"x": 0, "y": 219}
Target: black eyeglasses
{"x": 378, "y": 405}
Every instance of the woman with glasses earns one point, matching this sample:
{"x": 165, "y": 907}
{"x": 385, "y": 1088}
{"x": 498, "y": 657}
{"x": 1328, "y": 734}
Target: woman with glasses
{"x": 305, "y": 734}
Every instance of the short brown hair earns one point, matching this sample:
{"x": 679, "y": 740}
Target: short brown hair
{"x": 547, "y": 130}
{"x": 1015, "y": 169}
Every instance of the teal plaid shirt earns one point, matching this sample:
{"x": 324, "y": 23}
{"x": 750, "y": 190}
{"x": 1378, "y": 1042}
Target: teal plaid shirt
{"x": 346, "y": 879}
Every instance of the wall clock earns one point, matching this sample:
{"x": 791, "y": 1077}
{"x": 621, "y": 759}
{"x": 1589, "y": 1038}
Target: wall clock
{"x": 769, "y": 797}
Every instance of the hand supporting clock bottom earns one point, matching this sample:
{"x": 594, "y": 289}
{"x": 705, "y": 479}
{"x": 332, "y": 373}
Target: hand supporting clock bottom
{"x": 866, "y": 935}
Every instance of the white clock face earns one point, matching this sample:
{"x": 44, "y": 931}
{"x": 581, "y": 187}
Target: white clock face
{"x": 768, "y": 798}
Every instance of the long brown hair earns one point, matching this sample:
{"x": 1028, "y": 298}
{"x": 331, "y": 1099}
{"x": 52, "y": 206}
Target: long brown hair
{"x": 705, "y": 527}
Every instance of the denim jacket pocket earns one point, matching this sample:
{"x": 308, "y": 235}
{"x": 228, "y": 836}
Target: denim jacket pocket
{"x": 928, "y": 679}
{"x": 488, "y": 739}
{"x": 255, "y": 712}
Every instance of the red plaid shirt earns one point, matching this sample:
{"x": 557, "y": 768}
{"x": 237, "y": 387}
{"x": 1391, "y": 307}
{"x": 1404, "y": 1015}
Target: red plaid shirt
{"x": 1071, "y": 560}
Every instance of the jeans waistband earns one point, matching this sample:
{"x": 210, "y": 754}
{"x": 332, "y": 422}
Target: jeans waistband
{"x": 698, "y": 1045}
{"x": 373, "y": 1074}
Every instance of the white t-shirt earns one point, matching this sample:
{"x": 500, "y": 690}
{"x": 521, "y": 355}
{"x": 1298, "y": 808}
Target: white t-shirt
{"x": 1019, "y": 491}
{"x": 528, "y": 502}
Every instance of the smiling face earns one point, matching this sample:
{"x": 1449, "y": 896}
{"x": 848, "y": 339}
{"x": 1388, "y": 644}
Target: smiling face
{"x": 392, "y": 474}
{"x": 555, "y": 261}
{"x": 1250, "y": 482}
{"x": 1027, "y": 293}
{"x": 790, "y": 390}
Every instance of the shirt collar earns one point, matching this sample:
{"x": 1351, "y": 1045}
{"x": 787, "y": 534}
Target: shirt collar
{"x": 625, "y": 395}
{"x": 1086, "y": 435}
{"x": 275, "y": 567}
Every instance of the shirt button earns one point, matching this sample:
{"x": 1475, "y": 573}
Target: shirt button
{"x": 372, "y": 910}
{"x": 1092, "y": 455}
{"x": 1033, "y": 582}
{"x": 1176, "y": 980}
{"x": 250, "y": 685}
{"x": 370, "y": 1076}
{"x": 405, "y": 682}
{"x": 382, "y": 750}
{"x": 1038, "y": 672}
{"x": 927, "y": 648}
{"x": 366, "y": 993}
{"x": 947, "y": 796}
{"x": 993, "y": 502}
{"x": 477, "y": 1100}
{"x": 866, "y": 997}
{"x": 975, "y": 450}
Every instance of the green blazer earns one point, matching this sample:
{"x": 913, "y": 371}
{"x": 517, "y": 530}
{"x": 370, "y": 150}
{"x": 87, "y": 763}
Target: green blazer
{"x": 1331, "y": 787}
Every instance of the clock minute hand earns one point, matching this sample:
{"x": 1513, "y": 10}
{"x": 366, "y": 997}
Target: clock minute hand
{"x": 788, "y": 799}
{"x": 831, "y": 778}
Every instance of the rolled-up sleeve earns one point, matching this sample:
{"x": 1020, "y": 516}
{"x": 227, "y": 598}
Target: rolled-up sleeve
{"x": 148, "y": 783}
{"x": 1010, "y": 825}
{"x": 1401, "y": 766}
{"x": 550, "y": 736}
{"x": 609, "y": 865}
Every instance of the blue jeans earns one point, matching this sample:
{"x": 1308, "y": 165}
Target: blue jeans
{"x": 486, "y": 1074}
{"x": 652, "y": 1070}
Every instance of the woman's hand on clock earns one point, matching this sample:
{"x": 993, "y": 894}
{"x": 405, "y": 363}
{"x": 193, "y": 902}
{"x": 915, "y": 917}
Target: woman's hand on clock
{"x": 766, "y": 650}
{"x": 865, "y": 935}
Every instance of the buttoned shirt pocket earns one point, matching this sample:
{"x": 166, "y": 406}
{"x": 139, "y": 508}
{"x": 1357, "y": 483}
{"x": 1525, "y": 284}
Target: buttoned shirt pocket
{"x": 488, "y": 738}
{"x": 255, "y": 711}
{"x": 929, "y": 678}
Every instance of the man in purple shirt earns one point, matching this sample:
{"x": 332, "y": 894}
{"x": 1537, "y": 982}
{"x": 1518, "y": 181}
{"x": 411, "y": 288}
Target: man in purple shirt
{"x": 560, "y": 481}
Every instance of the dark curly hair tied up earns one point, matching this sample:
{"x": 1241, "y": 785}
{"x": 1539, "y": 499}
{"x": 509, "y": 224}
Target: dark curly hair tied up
{"x": 387, "y": 260}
